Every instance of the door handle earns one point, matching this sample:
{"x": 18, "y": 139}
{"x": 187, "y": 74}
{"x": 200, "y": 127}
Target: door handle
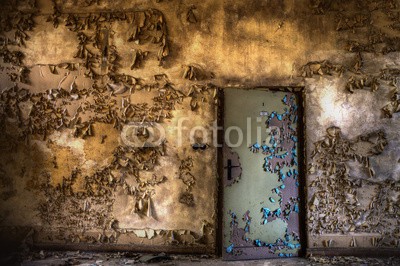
{"x": 229, "y": 168}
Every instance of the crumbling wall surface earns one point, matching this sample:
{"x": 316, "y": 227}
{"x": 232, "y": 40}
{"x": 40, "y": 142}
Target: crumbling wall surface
{"x": 352, "y": 131}
{"x": 92, "y": 152}
{"x": 79, "y": 79}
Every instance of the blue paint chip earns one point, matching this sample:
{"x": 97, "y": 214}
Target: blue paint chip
{"x": 289, "y": 245}
{"x": 265, "y": 148}
{"x": 229, "y": 249}
{"x": 282, "y": 176}
{"x": 277, "y": 212}
{"x": 266, "y": 212}
{"x": 271, "y": 200}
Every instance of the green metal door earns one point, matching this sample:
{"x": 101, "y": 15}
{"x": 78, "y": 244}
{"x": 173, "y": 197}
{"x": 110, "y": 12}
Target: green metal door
{"x": 261, "y": 175}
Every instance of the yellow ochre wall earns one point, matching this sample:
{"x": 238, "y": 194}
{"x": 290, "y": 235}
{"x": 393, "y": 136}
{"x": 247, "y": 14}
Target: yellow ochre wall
{"x": 75, "y": 73}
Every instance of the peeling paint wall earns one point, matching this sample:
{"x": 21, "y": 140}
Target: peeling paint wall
{"x": 90, "y": 150}
{"x": 75, "y": 73}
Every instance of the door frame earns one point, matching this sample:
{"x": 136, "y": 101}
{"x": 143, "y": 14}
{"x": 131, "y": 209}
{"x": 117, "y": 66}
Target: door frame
{"x": 302, "y": 164}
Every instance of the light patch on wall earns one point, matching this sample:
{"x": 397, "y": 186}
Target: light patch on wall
{"x": 66, "y": 139}
{"x": 61, "y": 48}
{"x": 197, "y": 44}
{"x": 331, "y": 111}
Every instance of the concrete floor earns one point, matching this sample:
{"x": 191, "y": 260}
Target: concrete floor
{"x": 44, "y": 258}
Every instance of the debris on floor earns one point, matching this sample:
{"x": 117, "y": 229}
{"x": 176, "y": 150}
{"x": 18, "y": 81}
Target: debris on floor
{"x": 351, "y": 260}
{"x": 78, "y": 258}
